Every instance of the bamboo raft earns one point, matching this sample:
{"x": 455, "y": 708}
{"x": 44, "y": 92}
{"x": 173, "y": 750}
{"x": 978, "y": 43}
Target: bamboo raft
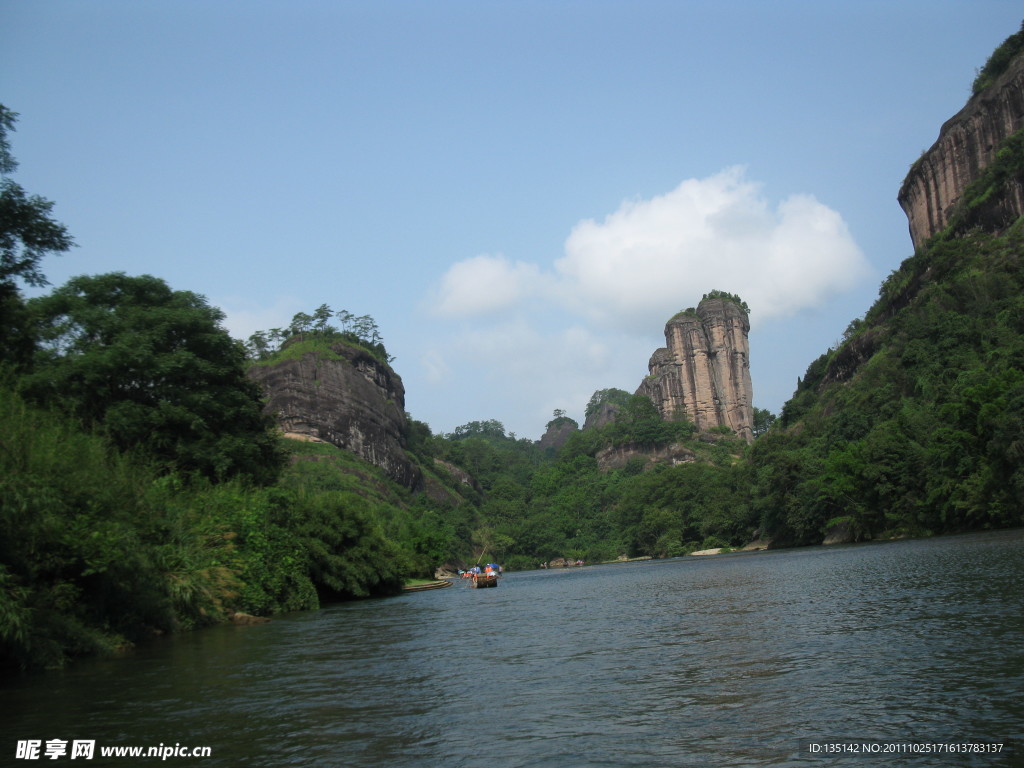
{"x": 482, "y": 580}
{"x": 440, "y": 584}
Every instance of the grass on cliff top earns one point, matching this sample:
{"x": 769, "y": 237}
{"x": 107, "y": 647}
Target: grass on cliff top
{"x": 999, "y": 61}
{"x": 296, "y": 350}
{"x": 320, "y": 345}
{"x": 713, "y": 294}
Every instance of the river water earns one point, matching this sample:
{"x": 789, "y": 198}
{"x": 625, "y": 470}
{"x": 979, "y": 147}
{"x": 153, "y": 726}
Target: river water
{"x": 732, "y": 660}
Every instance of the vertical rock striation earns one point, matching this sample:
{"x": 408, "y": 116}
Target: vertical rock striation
{"x": 967, "y": 143}
{"x": 348, "y": 398}
{"x": 703, "y": 372}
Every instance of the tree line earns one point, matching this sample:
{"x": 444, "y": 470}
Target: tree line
{"x": 143, "y": 490}
{"x": 361, "y": 330}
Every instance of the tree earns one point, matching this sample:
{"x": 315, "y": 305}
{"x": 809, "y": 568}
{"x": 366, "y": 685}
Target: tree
{"x": 316, "y": 327}
{"x": 616, "y": 398}
{"x": 156, "y": 371}
{"x": 346, "y": 320}
{"x": 322, "y": 318}
{"x": 639, "y": 422}
{"x": 763, "y": 421}
{"x": 492, "y": 428}
{"x": 301, "y": 323}
{"x": 27, "y": 234}
{"x": 258, "y": 345}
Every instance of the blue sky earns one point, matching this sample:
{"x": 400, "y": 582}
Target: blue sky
{"x": 520, "y": 193}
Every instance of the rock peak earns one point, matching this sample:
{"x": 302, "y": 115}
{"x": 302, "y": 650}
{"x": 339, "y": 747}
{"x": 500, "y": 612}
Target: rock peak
{"x": 968, "y": 143}
{"x": 347, "y": 397}
{"x": 703, "y": 372}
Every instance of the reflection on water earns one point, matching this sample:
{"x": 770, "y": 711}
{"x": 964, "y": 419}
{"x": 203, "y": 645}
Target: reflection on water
{"x": 723, "y": 661}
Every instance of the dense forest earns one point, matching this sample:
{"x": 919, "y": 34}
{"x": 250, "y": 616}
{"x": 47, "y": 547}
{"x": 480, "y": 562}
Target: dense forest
{"x": 143, "y": 490}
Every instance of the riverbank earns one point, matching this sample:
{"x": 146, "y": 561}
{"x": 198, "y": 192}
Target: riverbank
{"x": 754, "y": 546}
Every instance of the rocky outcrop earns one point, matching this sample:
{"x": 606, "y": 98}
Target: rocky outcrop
{"x": 458, "y": 474}
{"x": 558, "y": 433}
{"x": 967, "y": 143}
{"x": 703, "y": 372}
{"x": 604, "y": 414}
{"x": 618, "y": 457}
{"x": 346, "y": 397}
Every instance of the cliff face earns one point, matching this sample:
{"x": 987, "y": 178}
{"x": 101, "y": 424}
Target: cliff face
{"x": 603, "y": 416}
{"x": 558, "y": 434}
{"x": 967, "y": 143}
{"x": 618, "y": 457}
{"x": 355, "y": 402}
{"x": 703, "y": 372}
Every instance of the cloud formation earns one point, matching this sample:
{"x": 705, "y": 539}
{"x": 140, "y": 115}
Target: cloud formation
{"x": 485, "y": 284}
{"x": 650, "y": 258}
{"x": 540, "y": 336}
{"x": 528, "y": 368}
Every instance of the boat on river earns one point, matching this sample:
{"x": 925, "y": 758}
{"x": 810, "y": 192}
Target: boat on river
{"x": 483, "y": 576}
{"x": 483, "y": 580}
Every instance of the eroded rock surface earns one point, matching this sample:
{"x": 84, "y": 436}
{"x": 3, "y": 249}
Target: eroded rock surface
{"x": 702, "y": 374}
{"x": 967, "y": 143}
{"x": 349, "y": 399}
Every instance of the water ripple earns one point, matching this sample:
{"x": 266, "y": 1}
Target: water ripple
{"x": 725, "y": 661}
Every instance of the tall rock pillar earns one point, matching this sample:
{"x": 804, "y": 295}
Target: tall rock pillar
{"x": 703, "y": 372}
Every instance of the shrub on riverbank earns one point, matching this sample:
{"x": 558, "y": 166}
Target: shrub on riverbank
{"x": 91, "y": 557}
{"x": 99, "y": 550}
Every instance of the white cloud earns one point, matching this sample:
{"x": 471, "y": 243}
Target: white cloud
{"x": 651, "y": 258}
{"x": 522, "y": 370}
{"x": 436, "y": 368}
{"x": 484, "y": 284}
{"x": 543, "y": 336}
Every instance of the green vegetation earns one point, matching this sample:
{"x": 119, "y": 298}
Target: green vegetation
{"x": 154, "y": 371}
{"x": 913, "y": 425}
{"x": 314, "y": 333}
{"x": 716, "y": 294}
{"x": 99, "y": 549}
{"x": 27, "y": 235}
{"x": 999, "y": 61}
{"x": 534, "y": 507}
{"x": 143, "y": 492}
{"x": 615, "y": 398}
{"x": 982, "y": 203}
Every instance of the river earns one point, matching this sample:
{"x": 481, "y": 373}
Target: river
{"x": 730, "y": 660}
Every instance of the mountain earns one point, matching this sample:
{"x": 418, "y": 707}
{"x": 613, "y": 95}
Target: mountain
{"x": 341, "y": 393}
{"x": 968, "y": 143}
{"x": 702, "y": 374}
{"x": 913, "y": 425}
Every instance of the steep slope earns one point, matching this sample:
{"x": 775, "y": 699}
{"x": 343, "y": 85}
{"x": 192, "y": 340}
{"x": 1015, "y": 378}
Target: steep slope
{"x": 967, "y": 144}
{"x": 914, "y": 424}
{"x": 343, "y": 395}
